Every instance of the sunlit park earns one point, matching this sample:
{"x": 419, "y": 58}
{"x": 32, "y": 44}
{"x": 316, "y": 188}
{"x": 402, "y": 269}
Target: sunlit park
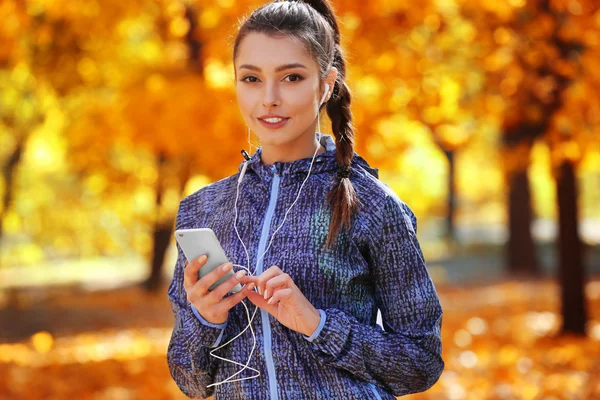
{"x": 483, "y": 116}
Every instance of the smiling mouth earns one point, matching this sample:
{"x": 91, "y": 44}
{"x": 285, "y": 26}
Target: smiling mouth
{"x": 273, "y": 122}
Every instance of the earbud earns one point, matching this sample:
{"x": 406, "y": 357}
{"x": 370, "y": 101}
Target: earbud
{"x": 243, "y": 172}
{"x": 324, "y": 94}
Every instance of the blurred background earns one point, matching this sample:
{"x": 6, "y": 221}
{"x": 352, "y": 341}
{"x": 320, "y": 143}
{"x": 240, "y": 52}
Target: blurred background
{"x": 484, "y": 116}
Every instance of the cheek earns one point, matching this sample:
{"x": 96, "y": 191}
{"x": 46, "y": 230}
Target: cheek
{"x": 302, "y": 102}
{"x": 245, "y": 101}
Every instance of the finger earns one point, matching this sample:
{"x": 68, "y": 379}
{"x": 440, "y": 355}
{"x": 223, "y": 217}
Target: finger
{"x": 232, "y": 300}
{"x": 220, "y": 291}
{"x": 247, "y": 279}
{"x": 282, "y": 280}
{"x": 265, "y": 276}
{"x": 213, "y": 276}
{"x": 260, "y": 302}
{"x": 281, "y": 295}
{"x": 272, "y": 292}
{"x": 190, "y": 273}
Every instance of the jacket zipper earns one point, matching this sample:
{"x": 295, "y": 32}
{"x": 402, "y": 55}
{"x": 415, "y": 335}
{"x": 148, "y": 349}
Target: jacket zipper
{"x": 264, "y": 316}
{"x": 375, "y": 392}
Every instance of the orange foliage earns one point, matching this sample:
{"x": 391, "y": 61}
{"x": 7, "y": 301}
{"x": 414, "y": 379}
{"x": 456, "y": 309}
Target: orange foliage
{"x": 119, "y": 78}
{"x": 502, "y": 346}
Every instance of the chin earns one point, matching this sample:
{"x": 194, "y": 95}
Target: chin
{"x": 274, "y": 138}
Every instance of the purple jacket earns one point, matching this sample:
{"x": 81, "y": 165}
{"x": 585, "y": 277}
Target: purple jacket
{"x": 376, "y": 265}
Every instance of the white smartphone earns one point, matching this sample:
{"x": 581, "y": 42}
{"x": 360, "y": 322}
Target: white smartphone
{"x": 199, "y": 241}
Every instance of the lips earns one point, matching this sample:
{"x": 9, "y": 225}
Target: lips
{"x": 273, "y": 122}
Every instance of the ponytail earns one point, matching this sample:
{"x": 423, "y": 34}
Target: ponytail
{"x": 342, "y": 196}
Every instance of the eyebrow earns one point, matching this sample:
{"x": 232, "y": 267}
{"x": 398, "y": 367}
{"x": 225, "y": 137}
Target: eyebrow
{"x": 278, "y": 69}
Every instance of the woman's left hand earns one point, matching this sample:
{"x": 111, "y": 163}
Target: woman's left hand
{"x": 280, "y": 297}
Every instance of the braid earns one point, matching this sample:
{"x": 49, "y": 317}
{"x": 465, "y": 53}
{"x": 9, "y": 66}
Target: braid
{"x": 342, "y": 196}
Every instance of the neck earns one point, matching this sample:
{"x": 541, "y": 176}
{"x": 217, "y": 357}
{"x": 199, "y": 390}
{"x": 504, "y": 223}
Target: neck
{"x": 293, "y": 151}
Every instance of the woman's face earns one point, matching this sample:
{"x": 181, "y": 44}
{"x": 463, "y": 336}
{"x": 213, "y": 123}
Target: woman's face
{"x": 278, "y": 90}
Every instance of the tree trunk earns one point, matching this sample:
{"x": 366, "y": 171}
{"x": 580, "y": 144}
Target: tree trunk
{"x": 162, "y": 237}
{"x": 8, "y": 173}
{"x": 163, "y": 229}
{"x": 161, "y": 232}
{"x": 451, "y": 199}
{"x": 571, "y": 269}
{"x": 521, "y": 256}
{"x": 194, "y": 44}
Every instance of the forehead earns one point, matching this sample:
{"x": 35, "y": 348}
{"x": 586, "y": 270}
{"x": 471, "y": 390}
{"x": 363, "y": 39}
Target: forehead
{"x": 268, "y": 52}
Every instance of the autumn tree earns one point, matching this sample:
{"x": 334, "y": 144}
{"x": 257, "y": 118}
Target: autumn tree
{"x": 540, "y": 66}
{"x": 419, "y": 88}
{"x": 50, "y": 55}
{"x": 21, "y": 109}
{"x": 178, "y": 106}
{"x": 155, "y": 79}
{"x": 573, "y": 130}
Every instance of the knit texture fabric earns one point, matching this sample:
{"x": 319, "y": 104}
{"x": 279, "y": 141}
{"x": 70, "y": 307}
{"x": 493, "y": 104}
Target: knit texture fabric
{"x": 376, "y": 264}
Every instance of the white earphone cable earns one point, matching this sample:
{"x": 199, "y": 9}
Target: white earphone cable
{"x": 247, "y": 268}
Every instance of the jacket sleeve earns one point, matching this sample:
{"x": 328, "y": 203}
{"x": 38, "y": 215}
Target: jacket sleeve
{"x": 191, "y": 365}
{"x": 405, "y": 357}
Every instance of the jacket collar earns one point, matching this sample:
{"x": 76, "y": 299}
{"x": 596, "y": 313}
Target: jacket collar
{"x": 324, "y": 162}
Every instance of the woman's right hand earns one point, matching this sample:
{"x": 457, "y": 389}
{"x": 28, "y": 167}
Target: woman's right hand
{"x": 212, "y": 305}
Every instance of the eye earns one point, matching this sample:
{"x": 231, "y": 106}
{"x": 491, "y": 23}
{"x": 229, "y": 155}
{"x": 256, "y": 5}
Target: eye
{"x": 249, "y": 78}
{"x": 294, "y": 77}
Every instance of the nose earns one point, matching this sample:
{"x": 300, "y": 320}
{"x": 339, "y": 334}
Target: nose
{"x": 271, "y": 95}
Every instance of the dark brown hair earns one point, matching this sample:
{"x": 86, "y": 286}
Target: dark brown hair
{"x": 314, "y": 23}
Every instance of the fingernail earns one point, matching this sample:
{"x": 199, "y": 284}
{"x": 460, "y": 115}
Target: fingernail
{"x": 250, "y": 286}
{"x": 227, "y": 267}
{"x": 202, "y": 258}
{"x": 260, "y": 291}
{"x": 266, "y": 293}
{"x": 270, "y": 301}
{"x": 240, "y": 274}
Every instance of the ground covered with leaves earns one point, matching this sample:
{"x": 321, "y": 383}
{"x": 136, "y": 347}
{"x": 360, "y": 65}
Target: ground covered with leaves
{"x": 501, "y": 341}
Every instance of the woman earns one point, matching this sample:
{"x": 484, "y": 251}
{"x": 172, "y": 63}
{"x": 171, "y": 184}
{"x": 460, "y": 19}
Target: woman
{"x": 326, "y": 243}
